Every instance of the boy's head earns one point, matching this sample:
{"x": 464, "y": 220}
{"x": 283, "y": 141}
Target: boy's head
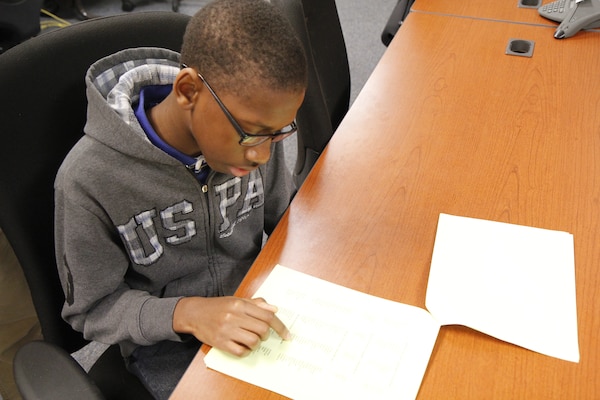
{"x": 239, "y": 45}
{"x": 243, "y": 77}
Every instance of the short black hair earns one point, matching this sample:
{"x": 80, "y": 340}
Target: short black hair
{"x": 238, "y": 45}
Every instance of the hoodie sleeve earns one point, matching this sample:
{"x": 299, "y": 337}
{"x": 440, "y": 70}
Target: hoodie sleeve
{"x": 92, "y": 265}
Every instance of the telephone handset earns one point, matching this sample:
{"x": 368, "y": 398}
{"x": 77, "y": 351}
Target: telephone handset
{"x": 573, "y": 15}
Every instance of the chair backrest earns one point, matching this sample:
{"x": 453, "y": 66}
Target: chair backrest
{"x": 42, "y": 114}
{"x": 328, "y": 94}
{"x": 19, "y": 20}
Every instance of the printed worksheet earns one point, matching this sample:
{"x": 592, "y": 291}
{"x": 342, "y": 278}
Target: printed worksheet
{"x": 346, "y": 344}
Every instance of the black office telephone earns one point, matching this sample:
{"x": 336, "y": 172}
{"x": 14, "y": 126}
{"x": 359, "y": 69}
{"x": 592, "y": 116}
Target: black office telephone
{"x": 573, "y": 15}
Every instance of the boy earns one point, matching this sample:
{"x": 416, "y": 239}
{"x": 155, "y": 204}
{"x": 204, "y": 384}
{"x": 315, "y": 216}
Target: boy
{"x": 161, "y": 206}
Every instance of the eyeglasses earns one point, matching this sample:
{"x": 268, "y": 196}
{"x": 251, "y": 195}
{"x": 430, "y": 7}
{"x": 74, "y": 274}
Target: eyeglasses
{"x": 249, "y": 139}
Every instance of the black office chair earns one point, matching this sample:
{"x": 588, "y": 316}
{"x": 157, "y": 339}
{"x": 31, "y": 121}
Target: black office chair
{"x": 328, "y": 94}
{"x": 19, "y": 21}
{"x": 129, "y": 5}
{"x": 395, "y": 20}
{"x": 42, "y": 114}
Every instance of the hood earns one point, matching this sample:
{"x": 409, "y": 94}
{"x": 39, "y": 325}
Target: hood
{"x": 113, "y": 85}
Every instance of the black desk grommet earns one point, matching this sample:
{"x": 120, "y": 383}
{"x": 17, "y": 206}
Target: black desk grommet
{"x": 530, "y": 3}
{"x": 520, "y": 47}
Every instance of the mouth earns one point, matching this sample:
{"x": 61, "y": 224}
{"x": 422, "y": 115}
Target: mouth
{"x": 236, "y": 171}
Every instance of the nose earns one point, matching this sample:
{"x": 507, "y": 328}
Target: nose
{"x": 259, "y": 154}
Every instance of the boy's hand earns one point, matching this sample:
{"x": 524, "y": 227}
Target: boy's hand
{"x": 232, "y": 324}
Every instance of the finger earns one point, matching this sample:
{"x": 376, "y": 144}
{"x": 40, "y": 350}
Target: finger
{"x": 235, "y": 348}
{"x": 281, "y": 329}
{"x": 262, "y": 303}
{"x": 247, "y": 339}
{"x": 274, "y": 322}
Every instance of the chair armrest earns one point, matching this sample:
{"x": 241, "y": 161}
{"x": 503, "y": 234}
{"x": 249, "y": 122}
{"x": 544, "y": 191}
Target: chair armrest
{"x": 396, "y": 18}
{"x": 44, "y": 371}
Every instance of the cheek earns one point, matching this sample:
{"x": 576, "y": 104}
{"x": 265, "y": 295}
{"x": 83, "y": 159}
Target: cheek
{"x": 219, "y": 149}
{"x": 207, "y": 133}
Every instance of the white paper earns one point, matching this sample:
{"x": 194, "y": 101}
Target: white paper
{"x": 512, "y": 282}
{"x": 346, "y": 344}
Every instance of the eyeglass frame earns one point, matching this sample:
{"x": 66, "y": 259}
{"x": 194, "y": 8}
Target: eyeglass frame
{"x": 244, "y": 136}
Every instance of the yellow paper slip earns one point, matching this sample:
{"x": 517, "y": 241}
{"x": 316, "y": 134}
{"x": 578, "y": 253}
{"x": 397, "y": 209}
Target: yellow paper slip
{"x": 346, "y": 344}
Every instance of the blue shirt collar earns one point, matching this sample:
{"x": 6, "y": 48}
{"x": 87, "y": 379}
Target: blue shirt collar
{"x": 149, "y": 97}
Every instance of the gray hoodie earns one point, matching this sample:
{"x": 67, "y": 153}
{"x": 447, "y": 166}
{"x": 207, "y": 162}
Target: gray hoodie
{"x": 135, "y": 230}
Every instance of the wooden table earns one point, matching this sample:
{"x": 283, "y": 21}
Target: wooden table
{"x": 498, "y": 10}
{"x": 448, "y": 123}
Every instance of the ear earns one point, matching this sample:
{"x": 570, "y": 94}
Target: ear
{"x": 187, "y": 87}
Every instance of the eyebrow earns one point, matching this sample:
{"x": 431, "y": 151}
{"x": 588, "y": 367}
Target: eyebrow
{"x": 260, "y": 126}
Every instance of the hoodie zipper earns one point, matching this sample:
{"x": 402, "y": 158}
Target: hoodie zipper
{"x": 209, "y": 226}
